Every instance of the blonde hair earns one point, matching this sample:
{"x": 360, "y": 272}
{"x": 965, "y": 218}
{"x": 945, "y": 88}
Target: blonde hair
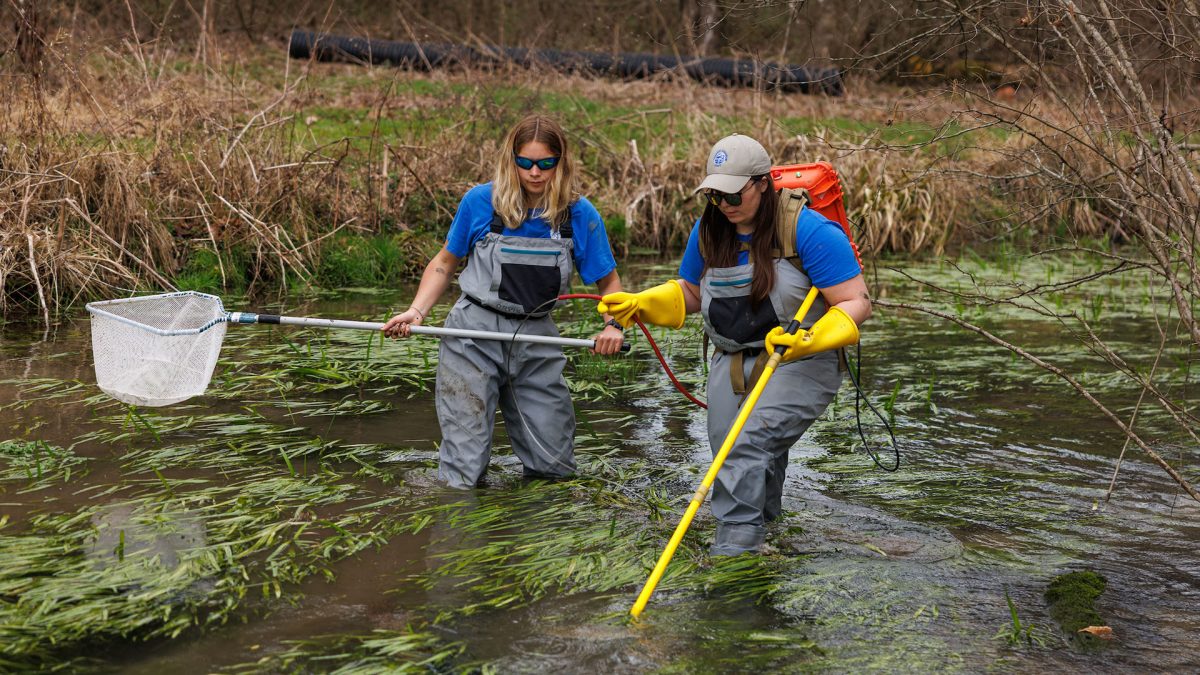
{"x": 508, "y": 197}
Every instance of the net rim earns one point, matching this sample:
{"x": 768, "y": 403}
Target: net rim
{"x": 97, "y": 309}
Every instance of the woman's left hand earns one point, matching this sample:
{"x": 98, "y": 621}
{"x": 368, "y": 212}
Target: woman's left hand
{"x": 608, "y": 341}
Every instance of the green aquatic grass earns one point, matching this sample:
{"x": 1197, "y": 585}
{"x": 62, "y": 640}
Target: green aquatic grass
{"x": 408, "y": 651}
{"x": 213, "y": 516}
{"x": 41, "y": 390}
{"x": 492, "y": 551}
{"x": 91, "y": 575}
{"x": 27, "y": 466}
{"x": 1018, "y": 632}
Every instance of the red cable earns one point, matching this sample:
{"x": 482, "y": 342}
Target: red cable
{"x": 654, "y": 345}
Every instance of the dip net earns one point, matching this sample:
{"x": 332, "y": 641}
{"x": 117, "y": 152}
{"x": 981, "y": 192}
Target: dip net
{"x": 157, "y": 350}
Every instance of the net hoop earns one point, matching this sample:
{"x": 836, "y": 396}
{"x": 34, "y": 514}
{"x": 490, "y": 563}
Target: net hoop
{"x": 155, "y": 350}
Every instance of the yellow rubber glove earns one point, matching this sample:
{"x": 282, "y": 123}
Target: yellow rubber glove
{"x": 833, "y": 331}
{"x": 661, "y": 306}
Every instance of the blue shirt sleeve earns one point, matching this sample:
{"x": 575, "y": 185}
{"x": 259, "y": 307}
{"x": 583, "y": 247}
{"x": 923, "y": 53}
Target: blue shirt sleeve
{"x": 691, "y": 267}
{"x": 593, "y": 254}
{"x": 472, "y": 221}
{"x": 824, "y": 250}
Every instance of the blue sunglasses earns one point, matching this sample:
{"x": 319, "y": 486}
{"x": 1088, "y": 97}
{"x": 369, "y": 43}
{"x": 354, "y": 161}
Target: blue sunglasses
{"x": 543, "y": 164}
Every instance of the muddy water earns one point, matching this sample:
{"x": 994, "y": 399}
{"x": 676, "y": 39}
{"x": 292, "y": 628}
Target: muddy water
{"x": 1001, "y": 489}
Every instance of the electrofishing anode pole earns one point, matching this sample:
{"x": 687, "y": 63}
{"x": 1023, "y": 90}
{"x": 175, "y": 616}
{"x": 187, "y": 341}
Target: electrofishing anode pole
{"x": 734, "y": 431}
{"x": 438, "y": 331}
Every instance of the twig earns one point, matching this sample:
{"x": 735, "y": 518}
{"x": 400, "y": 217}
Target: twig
{"x": 428, "y": 190}
{"x": 1112, "y": 484}
{"x": 261, "y": 113}
{"x": 97, "y": 229}
{"x": 1062, "y": 375}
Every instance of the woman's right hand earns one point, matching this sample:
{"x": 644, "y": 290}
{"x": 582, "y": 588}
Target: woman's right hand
{"x": 398, "y": 326}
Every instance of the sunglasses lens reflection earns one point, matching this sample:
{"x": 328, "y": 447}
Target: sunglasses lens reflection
{"x": 545, "y": 164}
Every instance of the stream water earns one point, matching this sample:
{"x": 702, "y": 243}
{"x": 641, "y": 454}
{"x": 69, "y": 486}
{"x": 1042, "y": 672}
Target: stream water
{"x": 289, "y": 519}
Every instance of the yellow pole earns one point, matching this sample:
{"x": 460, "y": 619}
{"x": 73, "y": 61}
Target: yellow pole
{"x": 702, "y": 491}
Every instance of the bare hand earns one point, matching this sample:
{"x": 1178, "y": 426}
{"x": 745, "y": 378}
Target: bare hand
{"x": 398, "y": 326}
{"x": 608, "y": 341}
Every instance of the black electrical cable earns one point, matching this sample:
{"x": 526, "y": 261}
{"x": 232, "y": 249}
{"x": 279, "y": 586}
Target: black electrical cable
{"x": 855, "y": 376}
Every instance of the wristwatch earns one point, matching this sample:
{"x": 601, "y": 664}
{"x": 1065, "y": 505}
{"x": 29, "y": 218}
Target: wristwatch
{"x": 614, "y": 324}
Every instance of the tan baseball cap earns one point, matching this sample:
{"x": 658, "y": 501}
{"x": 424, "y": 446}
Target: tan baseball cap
{"x": 733, "y": 160}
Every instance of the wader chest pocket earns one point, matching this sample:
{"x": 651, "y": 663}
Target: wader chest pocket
{"x": 530, "y": 278}
{"x": 735, "y": 318}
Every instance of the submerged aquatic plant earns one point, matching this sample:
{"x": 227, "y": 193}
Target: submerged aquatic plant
{"x": 1016, "y": 632}
{"x": 1071, "y": 599}
{"x": 407, "y": 651}
{"x": 37, "y": 464}
{"x": 491, "y": 551}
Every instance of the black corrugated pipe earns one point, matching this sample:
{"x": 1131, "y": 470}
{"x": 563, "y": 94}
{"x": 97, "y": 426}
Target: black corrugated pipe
{"x": 723, "y": 72}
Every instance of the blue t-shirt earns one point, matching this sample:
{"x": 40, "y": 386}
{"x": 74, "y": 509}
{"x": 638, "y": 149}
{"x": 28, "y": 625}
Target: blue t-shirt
{"x": 473, "y": 220}
{"x": 821, "y": 244}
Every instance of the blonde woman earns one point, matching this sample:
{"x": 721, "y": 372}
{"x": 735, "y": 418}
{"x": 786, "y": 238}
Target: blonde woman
{"x": 522, "y": 235}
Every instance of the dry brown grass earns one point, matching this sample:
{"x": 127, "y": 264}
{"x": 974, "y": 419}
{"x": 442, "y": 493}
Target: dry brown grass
{"x": 135, "y": 156}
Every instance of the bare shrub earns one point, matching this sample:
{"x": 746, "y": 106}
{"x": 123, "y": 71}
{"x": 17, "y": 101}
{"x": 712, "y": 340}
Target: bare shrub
{"x": 1099, "y": 148}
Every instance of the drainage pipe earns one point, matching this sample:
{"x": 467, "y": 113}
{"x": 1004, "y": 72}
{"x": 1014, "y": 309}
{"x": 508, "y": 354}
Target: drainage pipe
{"x": 628, "y": 65}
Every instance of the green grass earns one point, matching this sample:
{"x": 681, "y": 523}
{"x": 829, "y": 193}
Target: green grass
{"x": 373, "y": 260}
{"x": 609, "y": 126}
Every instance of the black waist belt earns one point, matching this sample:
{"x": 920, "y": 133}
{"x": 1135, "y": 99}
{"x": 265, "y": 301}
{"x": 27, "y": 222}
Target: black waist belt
{"x": 510, "y": 315}
{"x": 752, "y": 352}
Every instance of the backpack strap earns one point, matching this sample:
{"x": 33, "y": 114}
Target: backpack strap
{"x": 791, "y": 202}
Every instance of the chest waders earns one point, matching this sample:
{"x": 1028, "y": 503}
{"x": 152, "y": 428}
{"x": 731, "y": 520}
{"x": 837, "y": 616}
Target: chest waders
{"x": 748, "y": 490}
{"x": 509, "y": 282}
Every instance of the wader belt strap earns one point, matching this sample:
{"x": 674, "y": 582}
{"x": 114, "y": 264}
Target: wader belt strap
{"x": 511, "y": 315}
{"x": 564, "y": 231}
{"x": 737, "y": 377}
{"x": 736, "y": 380}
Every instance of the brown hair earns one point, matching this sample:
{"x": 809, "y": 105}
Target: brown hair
{"x": 509, "y": 198}
{"x": 718, "y": 239}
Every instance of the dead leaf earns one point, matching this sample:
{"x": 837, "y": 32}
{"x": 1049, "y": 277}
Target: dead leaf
{"x": 1102, "y": 632}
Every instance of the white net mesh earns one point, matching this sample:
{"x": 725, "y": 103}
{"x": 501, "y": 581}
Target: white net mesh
{"x": 158, "y": 349}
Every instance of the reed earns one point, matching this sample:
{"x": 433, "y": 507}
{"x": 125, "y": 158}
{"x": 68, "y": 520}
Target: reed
{"x": 146, "y": 167}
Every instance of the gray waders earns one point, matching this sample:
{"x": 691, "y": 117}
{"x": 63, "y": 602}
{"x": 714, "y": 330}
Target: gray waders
{"x": 507, "y": 279}
{"x": 749, "y": 487}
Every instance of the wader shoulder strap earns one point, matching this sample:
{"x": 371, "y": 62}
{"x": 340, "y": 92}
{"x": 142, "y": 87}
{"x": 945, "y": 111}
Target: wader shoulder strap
{"x": 565, "y": 231}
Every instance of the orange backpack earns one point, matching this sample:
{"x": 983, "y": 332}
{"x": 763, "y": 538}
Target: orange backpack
{"x": 815, "y": 185}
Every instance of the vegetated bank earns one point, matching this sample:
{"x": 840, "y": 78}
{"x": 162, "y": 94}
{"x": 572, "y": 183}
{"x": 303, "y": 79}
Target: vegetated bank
{"x": 243, "y": 171}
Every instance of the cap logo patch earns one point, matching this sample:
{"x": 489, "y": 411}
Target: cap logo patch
{"x": 719, "y": 158}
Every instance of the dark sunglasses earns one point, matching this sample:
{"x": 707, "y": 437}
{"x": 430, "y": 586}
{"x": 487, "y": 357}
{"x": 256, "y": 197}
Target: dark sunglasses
{"x": 731, "y": 198}
{"x": 543, "y": 164}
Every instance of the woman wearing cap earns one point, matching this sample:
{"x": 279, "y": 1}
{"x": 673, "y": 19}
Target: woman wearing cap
{"x": 733, "y": 272}
{"x": 524, "y": 232}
